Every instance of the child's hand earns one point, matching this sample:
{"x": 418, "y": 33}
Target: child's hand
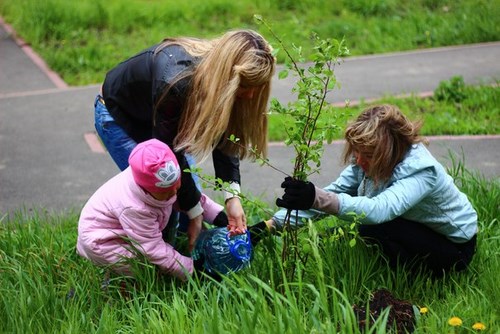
{"x": 193, "y": 231}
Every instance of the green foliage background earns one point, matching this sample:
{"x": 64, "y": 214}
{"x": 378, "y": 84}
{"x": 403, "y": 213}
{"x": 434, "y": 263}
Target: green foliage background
{"x": 83, "y": 39}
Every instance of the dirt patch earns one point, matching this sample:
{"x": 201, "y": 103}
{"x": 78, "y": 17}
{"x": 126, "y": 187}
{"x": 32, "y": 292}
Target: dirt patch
{"x": 401, "y": 315}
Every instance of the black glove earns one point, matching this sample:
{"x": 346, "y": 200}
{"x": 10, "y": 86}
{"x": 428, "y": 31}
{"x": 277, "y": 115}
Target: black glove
{"x": 221, "y": 220}
{"x": 299, "y": 195}
{"x": 201, "y": 272}
{"x": 198, "y": 264}
{"x": 257, "y": 231}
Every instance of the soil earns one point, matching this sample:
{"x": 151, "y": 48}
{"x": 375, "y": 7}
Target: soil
{"x": 401, "y": 315}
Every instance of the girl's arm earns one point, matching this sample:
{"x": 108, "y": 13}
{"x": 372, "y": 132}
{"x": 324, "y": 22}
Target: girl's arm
{"x": 143, "y": 230}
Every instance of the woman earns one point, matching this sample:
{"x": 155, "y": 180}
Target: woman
{"x": 402, "y": 195}
{"x": 192, "y": 94}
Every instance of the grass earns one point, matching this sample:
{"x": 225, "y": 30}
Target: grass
{"x": 47, "y": 288}
{"x": 82, "y": 40}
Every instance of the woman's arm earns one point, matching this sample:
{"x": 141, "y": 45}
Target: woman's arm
{"x": 188, "y": 196}
{"x": 169, "y": 103}
{"x": 227, "y": 168}
{"x": 393, "y": 202}
{"x": 347, "y": 182}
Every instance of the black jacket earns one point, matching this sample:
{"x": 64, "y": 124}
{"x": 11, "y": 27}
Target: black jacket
{"x": 132, "y": 89}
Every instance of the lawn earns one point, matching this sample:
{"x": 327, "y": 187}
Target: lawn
{"x": 47, "y": 288}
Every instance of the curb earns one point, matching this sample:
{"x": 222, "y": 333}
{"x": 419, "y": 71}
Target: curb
{"x": 42, "y": 65}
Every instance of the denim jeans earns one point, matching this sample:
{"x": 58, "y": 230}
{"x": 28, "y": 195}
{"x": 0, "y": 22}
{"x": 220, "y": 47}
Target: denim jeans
{"x": 115, "y": 139}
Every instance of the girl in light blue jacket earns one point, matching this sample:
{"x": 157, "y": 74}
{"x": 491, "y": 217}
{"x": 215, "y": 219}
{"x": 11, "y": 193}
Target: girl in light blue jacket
{"x": 402, "y": 195}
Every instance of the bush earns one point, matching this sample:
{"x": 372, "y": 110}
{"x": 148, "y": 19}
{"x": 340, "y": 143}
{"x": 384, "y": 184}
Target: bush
{"x": 452, "y": 90}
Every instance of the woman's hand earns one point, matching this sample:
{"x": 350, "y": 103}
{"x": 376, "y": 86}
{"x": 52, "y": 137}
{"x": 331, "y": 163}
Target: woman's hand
{"x": 236, "y": 216}
{"x": 193, "y": 231}
{"x": 299, "y": 195}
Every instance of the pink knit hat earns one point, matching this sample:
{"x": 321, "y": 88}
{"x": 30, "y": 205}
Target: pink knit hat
{"x": 154, "y": 166}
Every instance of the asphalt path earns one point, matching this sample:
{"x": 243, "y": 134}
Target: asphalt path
{"x": 51, "y": 161}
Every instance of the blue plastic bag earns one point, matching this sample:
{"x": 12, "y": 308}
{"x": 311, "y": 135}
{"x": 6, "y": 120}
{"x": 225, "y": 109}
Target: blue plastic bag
{"x": 223, "y": 254}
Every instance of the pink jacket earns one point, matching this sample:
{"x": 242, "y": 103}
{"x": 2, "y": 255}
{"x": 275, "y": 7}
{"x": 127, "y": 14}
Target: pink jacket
{"x": 121, "y": 216}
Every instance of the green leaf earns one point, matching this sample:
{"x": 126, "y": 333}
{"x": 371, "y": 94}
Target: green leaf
{"x": 283, "y": 74}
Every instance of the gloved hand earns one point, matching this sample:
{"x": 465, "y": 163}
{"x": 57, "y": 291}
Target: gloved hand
{"x": 193, "y": 230}
{"x": 221, "y": 220}
{"x": 198, "y": 264}
{"x": 299, "y": 195}
{"x": 257, "y": 232}
{"x": 201, "y": 272}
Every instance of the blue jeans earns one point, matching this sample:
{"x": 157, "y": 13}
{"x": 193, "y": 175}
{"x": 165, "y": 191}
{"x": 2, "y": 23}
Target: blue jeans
{"x": 115, "y": 139}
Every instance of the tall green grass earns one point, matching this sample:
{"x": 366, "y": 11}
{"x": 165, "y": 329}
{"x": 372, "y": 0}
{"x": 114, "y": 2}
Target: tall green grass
{"x": 45, "y": 287}
{"x": 83, "y": 39}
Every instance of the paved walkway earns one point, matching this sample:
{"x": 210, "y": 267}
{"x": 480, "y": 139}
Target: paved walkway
{"x": 50, "y": 160}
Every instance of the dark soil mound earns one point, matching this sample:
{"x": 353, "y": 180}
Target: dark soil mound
{"x": 401, "y": 314}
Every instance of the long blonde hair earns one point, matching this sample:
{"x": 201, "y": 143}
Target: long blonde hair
{"x": 385, "y": 134}
{"x": 212, "y": 112}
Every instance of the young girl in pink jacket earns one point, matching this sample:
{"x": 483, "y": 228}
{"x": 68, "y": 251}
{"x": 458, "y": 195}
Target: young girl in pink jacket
{"x": 127, "y": 214}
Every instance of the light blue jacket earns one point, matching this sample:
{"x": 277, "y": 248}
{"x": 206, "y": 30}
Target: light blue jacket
{"x": 419, "y": 190}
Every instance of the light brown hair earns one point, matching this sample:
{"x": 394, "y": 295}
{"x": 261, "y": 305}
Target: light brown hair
{"x": 212, "y": 112}
{"x": 384, "y": 134}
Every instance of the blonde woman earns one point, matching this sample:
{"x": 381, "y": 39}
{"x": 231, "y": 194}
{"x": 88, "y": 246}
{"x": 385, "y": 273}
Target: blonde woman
{"x": 192, "y": 94}
{"x": 404, "y": 197}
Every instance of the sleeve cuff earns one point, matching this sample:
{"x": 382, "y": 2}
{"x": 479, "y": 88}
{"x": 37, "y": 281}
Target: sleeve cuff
{"x": 326, "y": 201}
{"x": 195, "y": 211}
{"x": 233, "y": 191}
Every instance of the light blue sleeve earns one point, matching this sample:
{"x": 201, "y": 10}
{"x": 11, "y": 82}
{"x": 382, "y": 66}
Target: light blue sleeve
{"x": 297, "y": 217}
{"x": 392, "y": 202}
{"x": 348, "y": 182}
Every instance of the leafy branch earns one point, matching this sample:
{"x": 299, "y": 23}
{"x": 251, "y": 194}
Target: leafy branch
{"x": 307, "y": 133}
